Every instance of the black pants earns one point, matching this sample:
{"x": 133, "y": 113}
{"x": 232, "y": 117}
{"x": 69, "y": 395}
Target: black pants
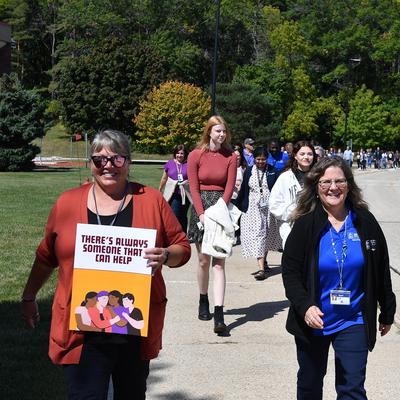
{"x": 89, "y": 380}
{"x": 351, "y": 352}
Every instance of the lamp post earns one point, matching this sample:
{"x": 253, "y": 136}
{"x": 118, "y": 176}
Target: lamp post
{"x": 354, "y": 62}
{"x": 346, "y": 116}
{"x": 214, "y": 63}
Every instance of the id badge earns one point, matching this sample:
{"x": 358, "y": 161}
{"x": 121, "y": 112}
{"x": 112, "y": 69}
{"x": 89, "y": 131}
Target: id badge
{"x": 263, "y": 203}
{"x": 340, "y": 297}
{"x": 180, "y": 178}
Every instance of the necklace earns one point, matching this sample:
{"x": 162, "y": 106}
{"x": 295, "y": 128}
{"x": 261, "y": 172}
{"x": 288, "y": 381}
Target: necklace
{"x": 119, "y": 208}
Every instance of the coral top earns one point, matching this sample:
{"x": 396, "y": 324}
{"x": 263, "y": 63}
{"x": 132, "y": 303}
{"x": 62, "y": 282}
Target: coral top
{"x": 211, "y": 170}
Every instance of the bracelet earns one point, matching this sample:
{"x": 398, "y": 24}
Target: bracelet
{"x": 28, "y": 300}
{"x": 166, "y": 256}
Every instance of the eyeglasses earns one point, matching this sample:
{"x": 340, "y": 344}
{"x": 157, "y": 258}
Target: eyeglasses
{"x": 116, "y": 160}
{"x": 325, "y": 184}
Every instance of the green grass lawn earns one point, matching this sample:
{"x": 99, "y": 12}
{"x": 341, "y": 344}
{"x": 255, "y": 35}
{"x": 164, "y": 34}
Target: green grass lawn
{"x": 26, "y": 199}
{"x": 58, "y": 143}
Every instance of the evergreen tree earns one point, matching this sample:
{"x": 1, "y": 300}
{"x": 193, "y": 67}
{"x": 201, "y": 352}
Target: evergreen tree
{"x": 103, "y": 88}
{"x": 21, "y": 121}
{"x": 247, "y": 111}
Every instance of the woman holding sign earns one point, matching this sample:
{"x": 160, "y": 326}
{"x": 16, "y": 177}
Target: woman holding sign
{"x": 89, "y": 359}
{"x": 335, "y": 270}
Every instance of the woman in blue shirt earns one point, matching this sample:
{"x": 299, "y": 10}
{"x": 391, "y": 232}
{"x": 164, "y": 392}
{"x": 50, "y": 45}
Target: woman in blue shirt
{"x": 335, "y": 270}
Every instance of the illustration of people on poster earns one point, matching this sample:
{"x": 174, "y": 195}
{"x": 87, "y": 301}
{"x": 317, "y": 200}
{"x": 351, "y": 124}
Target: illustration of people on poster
{"x": 111, "y": 281}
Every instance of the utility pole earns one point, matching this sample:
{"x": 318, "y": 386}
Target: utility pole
{"x": 353, "y": 63}
{"x": 214, "y": 64}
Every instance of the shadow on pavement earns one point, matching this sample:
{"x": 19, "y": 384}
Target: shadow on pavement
{"x": 274, "y": 270}
{"x": 181, "y": 396}
{"x": 154, "y": 378}
{"x": 256, "y": 312}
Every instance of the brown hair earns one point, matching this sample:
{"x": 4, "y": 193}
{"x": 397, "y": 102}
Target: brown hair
{"x": 292, "y": 162}
{"x": 308, "y": 197}
{"x": 204, "y": 143}
{"x": 178, "y": 148}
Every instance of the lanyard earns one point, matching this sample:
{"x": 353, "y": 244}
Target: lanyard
{"x": 119, "y": 208}
{"x": 178, "y": 167}
{"x": 344, "y": 253}
{"x": 260, "y": 181}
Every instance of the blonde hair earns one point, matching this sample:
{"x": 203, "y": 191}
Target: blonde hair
{"x": 204, "y": 143}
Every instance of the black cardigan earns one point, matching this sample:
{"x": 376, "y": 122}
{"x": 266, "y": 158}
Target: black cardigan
{"x": 300, "y": 271}
{"x": 242, "y": 200}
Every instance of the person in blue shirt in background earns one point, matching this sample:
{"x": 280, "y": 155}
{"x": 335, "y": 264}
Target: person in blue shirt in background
{"x": 276, "y": 157}
{"x": 248, "y": 149}
{"x": 335, "y": 269}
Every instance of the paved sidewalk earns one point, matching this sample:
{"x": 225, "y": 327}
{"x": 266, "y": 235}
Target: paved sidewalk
{"x": 257, "y": 360}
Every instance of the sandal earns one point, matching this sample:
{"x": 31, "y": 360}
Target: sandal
{"x": 255, "y": 272}
{"x": 260, "y": 275}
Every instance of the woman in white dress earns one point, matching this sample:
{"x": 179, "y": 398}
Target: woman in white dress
{"x": 259, "y": 229}
{"x": 283, "y": 197}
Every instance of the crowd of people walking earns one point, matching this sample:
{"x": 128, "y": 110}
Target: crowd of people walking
{"x": 367, "y": 158}
{"x": 298, "y": 199}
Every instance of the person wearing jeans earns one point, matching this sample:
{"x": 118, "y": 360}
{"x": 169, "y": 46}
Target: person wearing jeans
{"x": 335, "y": 270}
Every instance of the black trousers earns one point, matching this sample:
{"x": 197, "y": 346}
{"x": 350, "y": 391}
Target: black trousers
{"x": 89, "y": 380}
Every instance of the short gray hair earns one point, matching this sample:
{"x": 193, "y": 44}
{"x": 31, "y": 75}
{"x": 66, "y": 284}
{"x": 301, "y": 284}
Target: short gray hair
{"x": 116, "y": 141}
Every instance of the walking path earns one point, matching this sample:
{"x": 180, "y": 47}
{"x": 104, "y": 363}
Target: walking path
{"x": 257, "y": 360}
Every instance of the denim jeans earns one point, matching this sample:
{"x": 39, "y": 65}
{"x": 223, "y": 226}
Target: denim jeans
{"x": 351, "y": 353}
{"x": 180, "y": 210}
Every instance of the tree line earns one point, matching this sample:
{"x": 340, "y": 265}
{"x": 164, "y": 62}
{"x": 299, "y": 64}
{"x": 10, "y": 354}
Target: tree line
{"x": 327, "y": 71}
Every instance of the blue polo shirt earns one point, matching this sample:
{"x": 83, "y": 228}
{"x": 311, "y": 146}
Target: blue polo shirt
{"x": 339, "y": 317}
{"x": 280, "y": 162}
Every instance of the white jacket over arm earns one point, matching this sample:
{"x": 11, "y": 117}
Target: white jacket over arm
{"x": 282, "y": 200}
{"x": 220, "y": 223}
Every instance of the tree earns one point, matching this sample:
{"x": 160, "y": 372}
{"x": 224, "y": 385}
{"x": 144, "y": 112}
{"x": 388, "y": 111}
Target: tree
{"x": 314, "y": 120}
{"x": 173, "y": 113}
{"x": 367, "y": 121}
{"x": 21, "y": 121}
{"x": 30, "y": 58}
{"x": 247, "y": 111}
{"x": 103, "y": 88}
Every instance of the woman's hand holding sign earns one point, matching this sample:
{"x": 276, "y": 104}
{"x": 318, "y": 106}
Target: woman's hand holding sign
{"x": 156, "y": 257}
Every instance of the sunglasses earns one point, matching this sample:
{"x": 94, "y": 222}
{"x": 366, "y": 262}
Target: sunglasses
{"x": 101, "y": 161}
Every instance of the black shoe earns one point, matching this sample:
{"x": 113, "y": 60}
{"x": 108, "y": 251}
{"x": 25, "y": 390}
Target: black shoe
{"x": 204, "y": 308}
{"x": 219, "y": 327}
{"x": 260, "y": 275}
{"x": 219, "y": 324}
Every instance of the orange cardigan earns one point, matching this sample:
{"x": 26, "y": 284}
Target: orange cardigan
{"x": 150, "y": 211}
